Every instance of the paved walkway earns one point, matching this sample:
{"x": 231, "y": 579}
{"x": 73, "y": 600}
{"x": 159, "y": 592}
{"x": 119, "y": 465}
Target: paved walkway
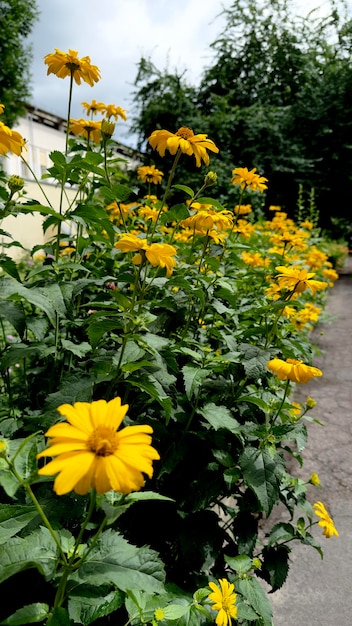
{"x": 319, "y": 592}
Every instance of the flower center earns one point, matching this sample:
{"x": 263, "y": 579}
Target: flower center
{"x": 103, "y": 441}
{"x": 185, "y": 132}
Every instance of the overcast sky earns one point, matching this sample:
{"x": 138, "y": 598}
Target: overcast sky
{"x": 115, "y": 34}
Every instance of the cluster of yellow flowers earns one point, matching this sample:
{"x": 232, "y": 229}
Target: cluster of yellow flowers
{"x": 90, "y": 449}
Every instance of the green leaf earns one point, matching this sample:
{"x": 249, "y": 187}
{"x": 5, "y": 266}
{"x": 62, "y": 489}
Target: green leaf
{"x": 220, "y": 417}
{"x": 211, "y": 201}
{"x": 14, "y": 290}
{"x": 193, "y": 378}
{"x": 30, "y": 614}
{"x": 175, "y": 611}
{"x": 262, "y": 474}
{"x": 281, "y": 532}
{"x": 275, "y": 565}
{"x": 255, "y": 360}
{"x": 36, "y": 550}
{"x": 257, "y": 401}
{"x": 78, "y": 349}
{"x": 184, "y": 188}
{"x": 9, "y": 266}
{"x": 13, "y": 518}
{"x": 241, "y": 563}
{"x": 59, "y": 617}
{"x": 88, "y": 603}
{"x": 13, "y": 313}
{"x": 256, "y": 597}
{"x": 54, "y": 295}
{"x": 98, "y": 328}
{"x": 114, "y": 560}
{"x": 175, "y": 214}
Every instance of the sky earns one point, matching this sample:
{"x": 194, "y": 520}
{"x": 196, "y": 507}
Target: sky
{"x": 115, "y": 34}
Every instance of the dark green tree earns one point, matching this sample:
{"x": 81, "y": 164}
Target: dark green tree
{"x": 276, "y": 97}
{"x": 17, "y": 18}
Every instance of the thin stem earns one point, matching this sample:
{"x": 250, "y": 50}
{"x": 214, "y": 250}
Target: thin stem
{"x": 168, "y": 187}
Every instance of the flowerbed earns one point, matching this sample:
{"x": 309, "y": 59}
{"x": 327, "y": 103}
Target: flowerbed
{"x": 188, "y": 322}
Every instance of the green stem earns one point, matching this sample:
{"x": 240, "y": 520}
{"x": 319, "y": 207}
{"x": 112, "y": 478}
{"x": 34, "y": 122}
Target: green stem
{"x": 281, "y": 403}
{"x": 168, "y": 187}
{"x": 40, "y": 511}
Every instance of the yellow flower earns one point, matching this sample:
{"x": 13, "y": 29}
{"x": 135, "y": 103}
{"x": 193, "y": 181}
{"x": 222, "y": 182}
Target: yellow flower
{"x": 130, "y": 243}
{"x": 293, "y": 370}
{"x": 86, "y": 128}
{"x": 224, "y": 601}
{"x": 160, "y": 254}
{"x": 92, "y": 453}
{"x": 254, "y": 259}
{"x": 94, "y": 107}
{"x": 326, "y": 522}
{"x": 241, "y": 176}
{"x": 159, "y": 614}
{"x": 298, "y": 280}
{"x": 64, "y": 64}
{"x": 242, "y": 209}
{"x": 314, "y": 479}
{"x": 10, "y": 140}
{"x": 149, "y": 174}
{"x": 186, "y": 141}
{"x": 111, "y": 110}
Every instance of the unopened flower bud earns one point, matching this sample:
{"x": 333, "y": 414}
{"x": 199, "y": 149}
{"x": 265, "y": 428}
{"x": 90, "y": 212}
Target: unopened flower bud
{"x": 107, "y": 129}
{"x": 210, "y": 179}
{"x": 314, "y": 479}
{"x": 15, "y": 183}
{"x": 310, "y": 403}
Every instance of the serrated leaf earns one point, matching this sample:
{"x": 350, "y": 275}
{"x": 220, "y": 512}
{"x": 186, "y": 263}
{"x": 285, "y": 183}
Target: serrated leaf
{"x": 36, "y": 550}
{"x": 254, "y": 360}
{"x": 88, "y": 603}
{"x": 13, "y": 518}
{"x": 193, "y": 378}
{"x": 116, "y": 561}
{"x": 283, "y": 531}
{"x": 262, "y": 474}
{"x": 254, "y": 594}
{"x": 240, "y": 563}
{"x": 275, "y": 566}
{"x": 30, "y": 614}
{"x": 220, "y": 417}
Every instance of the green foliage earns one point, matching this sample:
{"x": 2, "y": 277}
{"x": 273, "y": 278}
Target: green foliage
{"x": 174, "y": 306}
{"x": 17, "y": 18}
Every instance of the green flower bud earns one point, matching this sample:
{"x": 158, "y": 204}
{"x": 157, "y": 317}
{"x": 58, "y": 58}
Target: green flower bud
{"x": 107, "y": 129}
{"x": 15, "y": 183}
{"x": 210, "y": 179}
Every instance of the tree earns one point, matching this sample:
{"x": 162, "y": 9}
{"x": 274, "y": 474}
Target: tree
{"x": 276, "y": 97}
{"x": 17, "y": 18}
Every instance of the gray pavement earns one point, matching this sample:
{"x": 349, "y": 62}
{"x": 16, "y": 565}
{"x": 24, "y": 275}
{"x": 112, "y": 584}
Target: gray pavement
{"x": 318, "y": 592}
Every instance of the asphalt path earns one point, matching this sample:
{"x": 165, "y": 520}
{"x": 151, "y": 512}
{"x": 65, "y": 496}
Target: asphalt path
{"x": 318, "y": 592}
